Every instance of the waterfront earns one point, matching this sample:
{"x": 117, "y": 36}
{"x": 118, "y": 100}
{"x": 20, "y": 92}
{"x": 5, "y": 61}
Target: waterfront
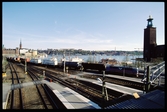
{"x": 97, "y": 58}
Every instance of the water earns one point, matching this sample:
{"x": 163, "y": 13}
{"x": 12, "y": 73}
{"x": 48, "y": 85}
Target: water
{"x": 97, "y": 58}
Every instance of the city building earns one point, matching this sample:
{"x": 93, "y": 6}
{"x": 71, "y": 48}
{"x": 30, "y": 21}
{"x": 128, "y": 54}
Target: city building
{"x": 151, "y": 49}
{"x": 10, "y": 51}
{"x": 19, "y": 51}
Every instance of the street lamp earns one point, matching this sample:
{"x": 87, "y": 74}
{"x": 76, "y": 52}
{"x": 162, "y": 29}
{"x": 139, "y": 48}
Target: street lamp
{"x": 25, "y": 66}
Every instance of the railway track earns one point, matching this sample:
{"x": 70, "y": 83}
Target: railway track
{"x": 44, "y": 92}
{"x": 122, "y": 82}
{"x": 93, "y": 91}
{"x": 16, "y": 95}
{"x": 39, "y": 89}
{"x": 89, "y": 90}
{"x": 126, "y": 83}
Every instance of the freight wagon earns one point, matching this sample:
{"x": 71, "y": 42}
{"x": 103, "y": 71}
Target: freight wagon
{"x": 121, "y": 70}
{"x": 93, "y": 66}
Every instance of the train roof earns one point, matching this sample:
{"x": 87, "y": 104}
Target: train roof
{"x": 121, "y": 66}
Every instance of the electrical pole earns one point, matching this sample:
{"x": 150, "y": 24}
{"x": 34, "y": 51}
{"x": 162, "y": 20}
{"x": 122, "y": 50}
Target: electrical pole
{"x": 25, "y": 67}
{"x": 64, "y": 62}
{"x": 124, "y": 71}
{"x": 138, "y": 56}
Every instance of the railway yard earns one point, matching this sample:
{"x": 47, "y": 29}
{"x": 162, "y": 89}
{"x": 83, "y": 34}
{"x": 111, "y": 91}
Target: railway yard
{"x": 45, "y": 87}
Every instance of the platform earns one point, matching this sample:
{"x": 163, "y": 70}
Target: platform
{"x": 119, "y": 88}
{"x": 125, "y": 78}
{"x": 115, "y": 76}
{"x": 5, "y": 92}
{"x": 70, "y": 98}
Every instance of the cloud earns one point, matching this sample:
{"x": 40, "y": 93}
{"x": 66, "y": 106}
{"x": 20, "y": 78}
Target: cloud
{"x": 26, "y": 34}
{"x": 77, "y": 39}
{"x": 98, "y": 41}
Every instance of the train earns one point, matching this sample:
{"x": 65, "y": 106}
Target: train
{"x": 109, "y": 69}
{"x": 71, "y": 65}
{"x": 122, "y": 70}
{"x": 93, "y": 66}
{"x": 23, "y": 60}
{"x": 18, "y": 59}
{"x": 14, "y": 58}
{"x": 35, "y": 61}
{"x": 50, "y": 61}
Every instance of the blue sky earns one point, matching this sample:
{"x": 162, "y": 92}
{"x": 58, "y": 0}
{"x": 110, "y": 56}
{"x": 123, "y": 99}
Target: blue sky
{"x": 80, "y": 25}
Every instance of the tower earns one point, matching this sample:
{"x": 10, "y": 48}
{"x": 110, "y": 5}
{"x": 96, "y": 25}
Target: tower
{"x": 149, "y": 41}
{"x": 20, "y": 44}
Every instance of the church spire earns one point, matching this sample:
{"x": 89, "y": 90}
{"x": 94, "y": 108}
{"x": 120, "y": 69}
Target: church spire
{"x": 20, "y": 44}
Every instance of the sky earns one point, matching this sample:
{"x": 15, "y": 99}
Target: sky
{"x": 80, "y": 25}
